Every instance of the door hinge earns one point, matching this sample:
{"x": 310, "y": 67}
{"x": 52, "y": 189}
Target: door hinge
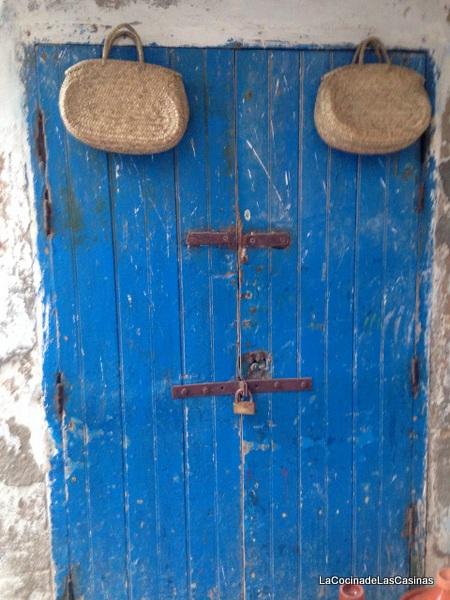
{"x": 41, "y": 150}
{"x": 420, "y": 203}
{"x": 47, "y": 212}
{"x": 415, "y": 375}
{"x": 69, "y": 592}
{"x": 409, "y": 529}
{"x": 60, "y": 396}
{"x": 41, "y": 146}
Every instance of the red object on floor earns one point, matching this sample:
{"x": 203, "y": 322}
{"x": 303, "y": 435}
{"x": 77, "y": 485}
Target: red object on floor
{"x": 350, "y": 591}
{"x": 440, "y": 591}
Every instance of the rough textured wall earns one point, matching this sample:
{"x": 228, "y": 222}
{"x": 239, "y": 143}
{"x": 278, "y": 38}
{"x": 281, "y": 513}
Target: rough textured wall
{"x": 25, "y": 561}
{"x": 438, "y": 526}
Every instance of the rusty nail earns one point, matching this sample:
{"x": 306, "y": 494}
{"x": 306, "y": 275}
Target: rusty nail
{"x": 205, "y": 389}
{"x": 251, "y": 241}
{"x": 184, "y": 392}
{"x": 276, "y": 384}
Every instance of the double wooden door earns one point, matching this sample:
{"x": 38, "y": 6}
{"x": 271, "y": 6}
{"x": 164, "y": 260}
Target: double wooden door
{"x": 156, "y": 498}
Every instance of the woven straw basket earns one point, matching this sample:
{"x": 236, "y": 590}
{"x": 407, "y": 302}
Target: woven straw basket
{"x": 124, "y": 106}
{"x": 371, "y": 108}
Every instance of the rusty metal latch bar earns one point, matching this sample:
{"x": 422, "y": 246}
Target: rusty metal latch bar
{"x": 229, "y": 388}
{"x": 229, "y": 239}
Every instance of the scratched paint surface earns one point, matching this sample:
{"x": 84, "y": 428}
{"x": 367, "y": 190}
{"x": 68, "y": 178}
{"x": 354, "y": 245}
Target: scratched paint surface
{"x": 168, "y": 499}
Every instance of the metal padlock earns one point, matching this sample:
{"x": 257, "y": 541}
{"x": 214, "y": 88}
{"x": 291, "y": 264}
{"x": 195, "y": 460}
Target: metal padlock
{"x": 241, "y": 406}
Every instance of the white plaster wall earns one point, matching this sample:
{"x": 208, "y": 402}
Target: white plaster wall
{"x": 25, "y": 563}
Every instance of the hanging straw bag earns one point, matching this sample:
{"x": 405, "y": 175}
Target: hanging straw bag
{"x": 371, "y": 108}
{"x": 124, "y": 106}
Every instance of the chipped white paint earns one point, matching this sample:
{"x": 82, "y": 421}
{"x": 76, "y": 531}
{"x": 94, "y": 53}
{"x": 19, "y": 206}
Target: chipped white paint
{"x": 400, "y": 23}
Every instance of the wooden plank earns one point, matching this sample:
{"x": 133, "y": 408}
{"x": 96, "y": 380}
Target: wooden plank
{"x": 370, "y": 241}
{"x": 205, "y": 271}
{"x": 283, "y": 86}
{"x": 399, "y": 297}
{"x": 195, "y": 307}
{"x": 339, "y": 349}
{"x": 424, "y": 260}
{"x": 384, "y": 336}
{"x": 143, "y": 205}
{"x": 220, "y": 106}
{"x": 314, "y": 198}
{"x": 65, "y": 227}
{"x": 100, "y": 421}
{"x": 371, "y": 228}
{"x": 253, "y": 188}
{"x": 40, "y": 123}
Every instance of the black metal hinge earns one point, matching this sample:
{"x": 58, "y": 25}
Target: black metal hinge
{"x": 47, "y": 204}
{"x": 415, "y": 375}
{"x": 41, "y": 146}
{"x": 41, "y": 150}
{"x": 60, "y": 396}
{"x": 69, "y": 592}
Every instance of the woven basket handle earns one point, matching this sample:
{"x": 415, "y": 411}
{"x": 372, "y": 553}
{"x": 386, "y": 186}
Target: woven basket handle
{"x": 377, "y": 45}
{"x": 128, "y": 31}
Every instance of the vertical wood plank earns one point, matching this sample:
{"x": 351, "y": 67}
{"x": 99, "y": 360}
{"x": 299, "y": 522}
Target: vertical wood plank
{"x": 284, "y": 74}
{"x": 424, "y": 260}
{"x": 386, "y": 305}
{"x": 75, "y": 483}
{"x": 42, "y": 91}
{"x": 399, "y": 298}
{"x": 298, "y": 343}
{"x": 373, "y": 192}
{"x": 94, "y": 432}
{"x": 143, "y": 205}
{"x": 369, "y": 269}
{"x": 219, "y": 74}
{"x": 253, "y": 189}
{"x": 167, "y": 416}
{"x": 314, "y": 413}
{"x": 99, "y": 361}
{"x": 136, "y": 385}
{"x": 339, "y": 342}
{"x": 192, "y": 199}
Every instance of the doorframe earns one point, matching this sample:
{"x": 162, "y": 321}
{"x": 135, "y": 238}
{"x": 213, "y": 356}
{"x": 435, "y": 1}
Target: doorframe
{"x": 52, "y": 386}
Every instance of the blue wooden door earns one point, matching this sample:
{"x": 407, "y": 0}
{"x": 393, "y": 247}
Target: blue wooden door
{"x": 155, "y": 498}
